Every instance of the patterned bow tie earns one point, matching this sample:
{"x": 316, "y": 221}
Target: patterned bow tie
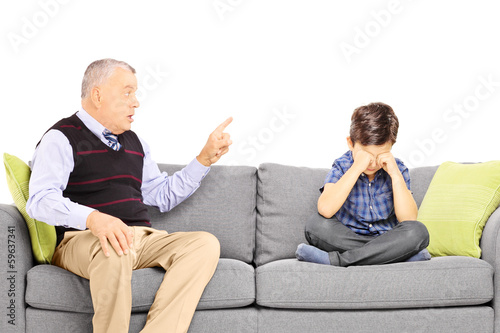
{"x": 112, "y": 139}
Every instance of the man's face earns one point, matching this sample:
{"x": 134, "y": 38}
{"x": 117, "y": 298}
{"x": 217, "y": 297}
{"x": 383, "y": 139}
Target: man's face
{"x": 118, "y": 101}
{"x": 371, "y": 149}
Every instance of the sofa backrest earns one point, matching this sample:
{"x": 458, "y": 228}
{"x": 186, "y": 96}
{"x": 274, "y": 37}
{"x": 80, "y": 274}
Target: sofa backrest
{"x": 287, "y": 196}
{"x": 420, "y": 179}
{"x": 224, "y": 205}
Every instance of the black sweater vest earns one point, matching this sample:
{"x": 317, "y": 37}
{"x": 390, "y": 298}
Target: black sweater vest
{"x": 102, "y": 178}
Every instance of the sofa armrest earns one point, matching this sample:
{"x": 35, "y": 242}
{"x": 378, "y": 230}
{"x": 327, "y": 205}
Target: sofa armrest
{"x": 16, "y": 258}
{"x": 490, "y": 246}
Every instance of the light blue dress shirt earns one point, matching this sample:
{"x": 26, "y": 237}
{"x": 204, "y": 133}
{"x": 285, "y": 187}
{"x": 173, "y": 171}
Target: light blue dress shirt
{"x": 53, "y": 162}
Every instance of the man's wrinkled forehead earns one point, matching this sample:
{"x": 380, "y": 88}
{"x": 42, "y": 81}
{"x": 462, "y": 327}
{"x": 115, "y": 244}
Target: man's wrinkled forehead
{"x": 123, "y": 78}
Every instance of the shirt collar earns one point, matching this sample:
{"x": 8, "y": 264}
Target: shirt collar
{"x": 93, "y": 125}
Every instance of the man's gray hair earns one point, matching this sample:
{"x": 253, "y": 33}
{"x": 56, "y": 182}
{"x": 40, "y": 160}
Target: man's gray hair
{"x": 99, "y": 71}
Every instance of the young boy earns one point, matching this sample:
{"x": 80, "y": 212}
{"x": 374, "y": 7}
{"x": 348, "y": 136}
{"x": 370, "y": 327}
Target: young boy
{"x": 367, "y": 214}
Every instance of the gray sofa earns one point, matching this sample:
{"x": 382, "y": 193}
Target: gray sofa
{"x": 258, "y": 215}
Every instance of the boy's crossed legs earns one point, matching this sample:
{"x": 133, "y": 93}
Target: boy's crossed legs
{"x": 336, "y": 244}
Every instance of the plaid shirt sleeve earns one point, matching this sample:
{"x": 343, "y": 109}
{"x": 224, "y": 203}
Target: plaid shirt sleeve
{"x": 405, "y": 172}
{"x": 337, "y": 171}
{"x": 334, "y": 175}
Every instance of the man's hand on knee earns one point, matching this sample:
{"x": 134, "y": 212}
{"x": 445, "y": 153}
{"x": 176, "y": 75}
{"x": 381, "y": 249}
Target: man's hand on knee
{"x": 109, "y": 228}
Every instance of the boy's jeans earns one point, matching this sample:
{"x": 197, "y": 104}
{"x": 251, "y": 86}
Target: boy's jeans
{"x": 346, "y": 248}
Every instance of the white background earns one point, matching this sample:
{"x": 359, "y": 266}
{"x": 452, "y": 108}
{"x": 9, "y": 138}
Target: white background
{"x": 290, "y": 72}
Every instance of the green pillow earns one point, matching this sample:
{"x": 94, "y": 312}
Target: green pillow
{"x": 43, "y": 236}
{"x": 459, "y": 201}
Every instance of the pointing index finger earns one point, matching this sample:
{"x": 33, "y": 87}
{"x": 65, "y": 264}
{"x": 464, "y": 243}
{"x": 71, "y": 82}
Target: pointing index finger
{"x": 223, "y": 126}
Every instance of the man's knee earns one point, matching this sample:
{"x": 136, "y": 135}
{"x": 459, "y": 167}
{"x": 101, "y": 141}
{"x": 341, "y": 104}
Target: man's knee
{"x": 209, "y": 245}
{"x": 114, "y": 262}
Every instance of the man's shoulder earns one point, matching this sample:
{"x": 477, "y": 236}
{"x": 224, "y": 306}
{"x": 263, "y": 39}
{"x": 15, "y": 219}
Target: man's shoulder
{"x": 57, "y": 129}
{"x": 72, "y": 127}
{"x": 70, "y": 121}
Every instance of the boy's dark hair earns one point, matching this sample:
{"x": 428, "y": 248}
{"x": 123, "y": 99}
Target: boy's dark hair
{"x": 374, "y": 124}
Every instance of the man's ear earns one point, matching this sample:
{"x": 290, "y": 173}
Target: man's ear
{"x": 350, "y": 144}
{"x": 96, "y": 97}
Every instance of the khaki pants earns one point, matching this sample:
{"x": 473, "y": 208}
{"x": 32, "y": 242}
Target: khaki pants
{"x": 189, "y": 259}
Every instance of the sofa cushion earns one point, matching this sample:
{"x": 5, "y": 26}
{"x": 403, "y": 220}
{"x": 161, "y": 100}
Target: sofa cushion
{"x": 43, "y": 236}
{"x": 233, "y": 285}
{"x": 477, "y": 319}
{"x": 287, "y": 197}
{"x": 224, "y": 205}
{"x": 243, "y": 320}
{"x": 459, "y": 201}
{"x": 444, "y": 281}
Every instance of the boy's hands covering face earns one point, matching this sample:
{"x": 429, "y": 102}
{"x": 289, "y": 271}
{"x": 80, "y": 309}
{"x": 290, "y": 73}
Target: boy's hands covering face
{"x": 363, "y": 160}
{"x": 366, "y": 162}
{"x": 369, "y": 159}
{"x": 388, "y": 163}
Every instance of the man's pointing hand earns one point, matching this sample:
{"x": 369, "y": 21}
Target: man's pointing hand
{"x": 217, "y": 145}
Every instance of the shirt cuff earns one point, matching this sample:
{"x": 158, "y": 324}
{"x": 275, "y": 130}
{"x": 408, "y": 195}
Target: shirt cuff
{"x": 196, "y": 171}
{"x": 78, "y": 216}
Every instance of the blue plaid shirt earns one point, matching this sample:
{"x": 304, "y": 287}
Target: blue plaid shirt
{"x": 369, "y": 208}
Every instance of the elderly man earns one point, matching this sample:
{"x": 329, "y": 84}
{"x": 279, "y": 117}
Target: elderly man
{"x": 92, "y": 178}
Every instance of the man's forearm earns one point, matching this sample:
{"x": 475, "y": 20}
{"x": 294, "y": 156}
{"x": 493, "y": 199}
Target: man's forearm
{"x": 56, "y": 210}
{"x": 166, "y": 192}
